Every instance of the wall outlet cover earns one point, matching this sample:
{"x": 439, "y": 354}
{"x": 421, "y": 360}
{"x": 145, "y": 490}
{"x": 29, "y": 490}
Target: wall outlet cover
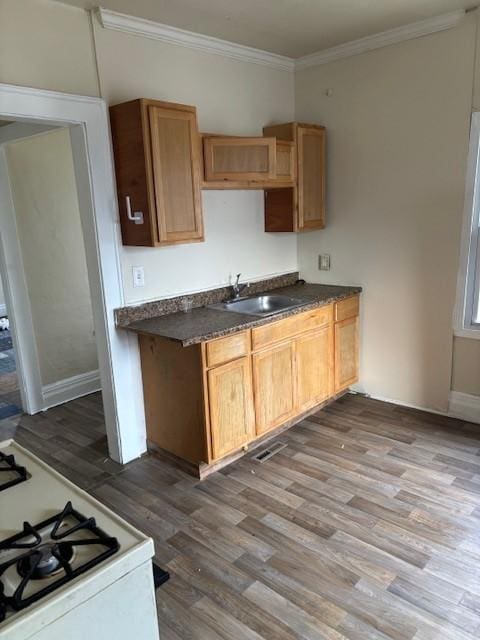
{"x": 138, "y": 275}
{"x": 324, "y": 262}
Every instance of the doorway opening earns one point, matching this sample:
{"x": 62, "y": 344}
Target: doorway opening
{"x": 86, "y": 120}
{"x": 45, "y": 276}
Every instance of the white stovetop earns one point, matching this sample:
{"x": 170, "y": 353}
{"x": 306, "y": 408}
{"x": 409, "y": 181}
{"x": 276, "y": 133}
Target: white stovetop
{"x": 44, "y": 494}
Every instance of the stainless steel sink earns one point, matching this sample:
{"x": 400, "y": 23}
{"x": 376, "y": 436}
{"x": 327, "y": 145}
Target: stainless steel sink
{"x": 265, "y": 305}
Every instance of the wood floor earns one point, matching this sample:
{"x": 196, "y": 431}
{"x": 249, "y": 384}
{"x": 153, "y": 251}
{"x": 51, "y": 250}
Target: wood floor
{"x": 366, "y": 526}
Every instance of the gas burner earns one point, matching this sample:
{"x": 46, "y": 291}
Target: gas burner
{"x": 47, "y": 560}
{"x": 42, "y": 558}
{"x": 10, "y": 472}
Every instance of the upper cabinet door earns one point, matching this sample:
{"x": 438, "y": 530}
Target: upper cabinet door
{"x": 311, "y": 177}
{"x": 286, "y": 162}
{"x": 175, "y": 157}
{"x": 239, "y": 159}
{"x": 158, "y": 169}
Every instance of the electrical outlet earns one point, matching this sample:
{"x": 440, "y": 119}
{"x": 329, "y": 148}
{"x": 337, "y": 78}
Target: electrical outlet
{"x": 138, "y": 275}
{"x": 324, "y": 262}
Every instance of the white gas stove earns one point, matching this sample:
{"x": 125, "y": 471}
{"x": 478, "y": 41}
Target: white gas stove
{"x": 69, "y": 566}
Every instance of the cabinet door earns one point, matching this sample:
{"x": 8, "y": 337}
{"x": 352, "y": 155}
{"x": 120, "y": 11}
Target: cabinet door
{"x": 239, "y": 158}
{"x": 286, "y": 162}
{"x": 314, "y": 367}
{"x": 230, "y": 398}
{"x": 346, "y": 353}
{"x": 274, "y": 390}
{"x": 311, "y": 177}
{"x": 175, "y": 150}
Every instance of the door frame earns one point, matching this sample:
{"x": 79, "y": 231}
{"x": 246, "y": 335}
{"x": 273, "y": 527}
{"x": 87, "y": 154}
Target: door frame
{"x": 118, "y": 356}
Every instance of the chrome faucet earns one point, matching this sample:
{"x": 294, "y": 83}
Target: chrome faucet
{"x": 238, "y": 288}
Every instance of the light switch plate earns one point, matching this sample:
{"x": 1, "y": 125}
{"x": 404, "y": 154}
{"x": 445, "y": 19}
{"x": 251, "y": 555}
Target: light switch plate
{"x": 138, "y": 275}
{"x": 324, "y": 262}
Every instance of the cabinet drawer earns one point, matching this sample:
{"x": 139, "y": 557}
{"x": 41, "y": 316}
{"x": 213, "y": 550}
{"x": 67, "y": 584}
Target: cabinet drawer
{"x": 270, "y": 333}
{"x": 226, "y": 349}
{"x": 348, "y": 308}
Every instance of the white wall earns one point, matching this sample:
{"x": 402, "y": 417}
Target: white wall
{"x": 47, "y": 45}
{"x": 466, "y": 366}
{"x": 397, "y": 125}
{"x": 231, "y": 97}
{"x": 48, "y": 221}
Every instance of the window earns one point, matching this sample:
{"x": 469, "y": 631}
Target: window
{"x": 467, "y": 312}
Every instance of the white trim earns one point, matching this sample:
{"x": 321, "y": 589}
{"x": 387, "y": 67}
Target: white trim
{"x": 462, "y": 326}
{"x": 208, "y": 44}
{"x": 180, "y": 37}
{"x": 118, "y": 356}
{"x": 461, "y": 405}
{"x": 465, "y": 406}
{"x": 17, "y": 298}
{"x": 19, "y": 130}
{"x": 400, "y": 403}
{"x": 471, "y": 334}
{"x": 70, "y": 388}
{"x": 382, "y": 39}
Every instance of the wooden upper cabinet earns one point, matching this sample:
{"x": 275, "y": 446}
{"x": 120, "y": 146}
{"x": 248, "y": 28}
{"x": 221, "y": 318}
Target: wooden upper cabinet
{"x": 286, "y": 162}
{"x": 300, "y": 207}
{"x": 311, "y": 177}
{"x": 230, "y": 399}
{"x": 156, "y": 148}
{"x": 239, "y": 159}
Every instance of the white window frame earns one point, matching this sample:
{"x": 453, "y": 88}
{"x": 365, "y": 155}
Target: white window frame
{"x": 467, "y": 309}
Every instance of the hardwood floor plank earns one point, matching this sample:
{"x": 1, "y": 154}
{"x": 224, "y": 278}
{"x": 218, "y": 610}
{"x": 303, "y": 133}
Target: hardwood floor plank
{"x": 365, "y": 527}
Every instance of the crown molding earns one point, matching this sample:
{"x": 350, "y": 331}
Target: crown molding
{"x": 383, "y": 39}
{"x": 180, "y": 37}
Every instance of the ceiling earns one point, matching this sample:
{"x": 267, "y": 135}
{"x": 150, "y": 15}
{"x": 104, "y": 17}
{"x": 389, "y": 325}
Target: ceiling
{"x": 293, "y": 28}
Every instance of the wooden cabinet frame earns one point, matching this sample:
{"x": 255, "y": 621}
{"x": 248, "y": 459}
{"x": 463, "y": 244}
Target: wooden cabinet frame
{"x": 212, "y": 143}
{"x": 287, "y": 209}
{"x": 140, "y": 170}
{"x": 192, "y": 403}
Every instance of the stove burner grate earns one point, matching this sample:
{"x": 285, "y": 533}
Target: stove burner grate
{"x": 11, "y": 473}
{"x": 51, "y": 558}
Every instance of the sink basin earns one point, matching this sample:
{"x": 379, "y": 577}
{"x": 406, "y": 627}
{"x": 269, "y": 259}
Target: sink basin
{"x": 264, "y": 305}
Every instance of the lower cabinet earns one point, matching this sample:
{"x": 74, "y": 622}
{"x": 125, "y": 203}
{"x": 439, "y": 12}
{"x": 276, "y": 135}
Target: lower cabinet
{"x": 230, "y": 399}
{"x": 274, "y": 386}
{"x": 207, "y": 401}
{"x": 314, "y": 368}
{"x": 346, "y": 353}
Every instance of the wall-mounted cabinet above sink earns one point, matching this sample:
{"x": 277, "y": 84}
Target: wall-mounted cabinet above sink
{"x": 162, "y": 163}
{"x": 300, "y": 207}
{"x": 235, "y": 162}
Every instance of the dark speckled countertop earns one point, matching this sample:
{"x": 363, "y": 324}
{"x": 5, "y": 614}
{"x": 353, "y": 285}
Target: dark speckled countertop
{"x": 204, "y": 323}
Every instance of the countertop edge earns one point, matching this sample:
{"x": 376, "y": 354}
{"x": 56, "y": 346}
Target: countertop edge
{"x": 250, "y": 321}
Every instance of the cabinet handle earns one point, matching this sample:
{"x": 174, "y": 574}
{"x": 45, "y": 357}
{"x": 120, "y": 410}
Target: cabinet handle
{"x": 136, "y": 217}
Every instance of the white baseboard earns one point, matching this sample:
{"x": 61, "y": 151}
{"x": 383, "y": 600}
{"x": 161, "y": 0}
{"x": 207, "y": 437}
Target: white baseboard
{"x": 70, "y": 388}
{"x": 461, "y": 405}
{"x": 464, "y": 406}
{"x": 400, "y": 403}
